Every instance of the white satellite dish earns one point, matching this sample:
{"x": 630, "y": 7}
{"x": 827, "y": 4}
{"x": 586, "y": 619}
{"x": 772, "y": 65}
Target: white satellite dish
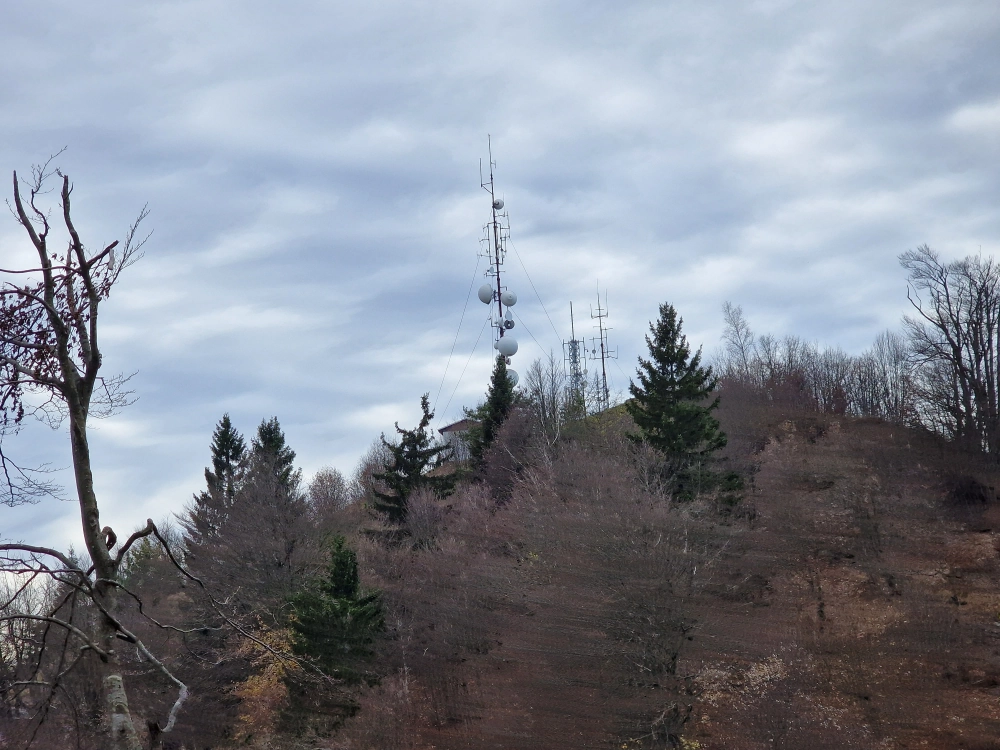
{"x": 486, "y": 294}
{"x": 498, "y": 204}
{"x": 512, "y": 374}
{"x": 508, "y": 298}
{"x": 507, "y": 346}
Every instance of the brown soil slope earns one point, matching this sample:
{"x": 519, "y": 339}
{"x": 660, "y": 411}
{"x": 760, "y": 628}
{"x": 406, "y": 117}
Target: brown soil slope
{"x": 852, "y": 602}
{"x": 863, "y": 608}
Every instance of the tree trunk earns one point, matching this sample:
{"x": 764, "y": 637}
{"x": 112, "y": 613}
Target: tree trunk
{"x": 119, "y": 719}
{"x": 118, "y": 723}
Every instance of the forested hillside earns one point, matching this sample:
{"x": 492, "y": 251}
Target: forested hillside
{"x": 805, "y": 553}
{"x": 851, "y": 600}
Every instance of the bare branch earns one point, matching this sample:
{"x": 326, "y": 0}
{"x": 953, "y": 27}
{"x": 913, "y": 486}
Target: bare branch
{"x": 217, "y": 608}
{"x": 65, "y": 560}
{"x": 150, "y": 618}
{"x": 63, "y": 624}
{"x": 136, "y": 536}
{"x": 22, "y": 486}
{"x": 110, "y": 396}
{"x": 25, "y": 222}
{"x": 182, "y": 689}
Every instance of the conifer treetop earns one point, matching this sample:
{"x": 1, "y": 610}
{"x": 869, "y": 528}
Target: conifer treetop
{"x": 668, "y": 403}
{"x": 228, "y": 453}
{"x": 500, "y": 399}
{"x": 410, "y": 458}
{"x": 269, "y": 446}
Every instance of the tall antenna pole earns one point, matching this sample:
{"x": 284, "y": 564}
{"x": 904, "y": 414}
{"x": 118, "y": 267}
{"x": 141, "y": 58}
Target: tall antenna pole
{"x": 603, "y": 396}
{"x": 497, "y": 249}
{"x": 572, "y": 349}
{"x": 494, "y": 243}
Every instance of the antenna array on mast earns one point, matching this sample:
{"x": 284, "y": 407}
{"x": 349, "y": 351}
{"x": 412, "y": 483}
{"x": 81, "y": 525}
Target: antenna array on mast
{"x": 599, "y": 350}
{"x": 575, "y": 355}
{"x": 494, "y": 244}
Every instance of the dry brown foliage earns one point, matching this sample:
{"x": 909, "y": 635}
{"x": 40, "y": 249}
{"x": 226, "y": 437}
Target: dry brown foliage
{"x": 851, "y": 601}
{"x": 856, "y": 607}
{"x": 524, "y": 625}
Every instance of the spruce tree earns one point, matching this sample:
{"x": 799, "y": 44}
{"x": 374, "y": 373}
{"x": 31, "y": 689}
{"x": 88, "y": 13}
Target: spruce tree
{"x": 500, "y": 399}
{"x": 228, "y": 452}
{"x": 410, "y": 458}
{"x": 271, "y": 453}
{"x": 670, "y": 402}
{"x": 333, "y": 620}
{"x": 204, "y": 516}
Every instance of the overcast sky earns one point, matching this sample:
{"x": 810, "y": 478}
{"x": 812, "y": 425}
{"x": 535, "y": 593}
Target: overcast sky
{"x": 312, "y": 173}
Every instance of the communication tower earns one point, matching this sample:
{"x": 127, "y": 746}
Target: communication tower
{"x": 494, "y": 249}
{"x": 599, "y": 350}
{"x": 575, "y": 355}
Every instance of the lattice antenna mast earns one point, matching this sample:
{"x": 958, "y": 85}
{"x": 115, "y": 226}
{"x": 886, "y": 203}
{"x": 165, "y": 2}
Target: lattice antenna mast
{"x": 494, "y": 248}
{"x": 574, "y": 355}
{"x": 600, "y": 349}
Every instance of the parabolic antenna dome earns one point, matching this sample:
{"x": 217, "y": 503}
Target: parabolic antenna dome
{"x": 498, "y": 204}
{"x": 486, "y": 294}
{"x": 512, "y": 374}
{"x": 507, "y": 346}
{"x": 508, "y": 298}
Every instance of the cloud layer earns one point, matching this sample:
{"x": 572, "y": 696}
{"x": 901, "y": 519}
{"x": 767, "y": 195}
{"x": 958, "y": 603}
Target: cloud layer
{"x": 312, "y": 171}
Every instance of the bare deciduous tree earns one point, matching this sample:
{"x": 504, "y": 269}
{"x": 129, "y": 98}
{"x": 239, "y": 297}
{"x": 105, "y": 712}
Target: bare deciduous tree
{"x": 328, "y": 491}
{"x": 545, "y": 385}
{"x": 955, "y": 338}
{"x": 794, "y": 372}
{"x": 829, "y": 372}
{"x": 50, "y": 362}
{"x": 740, "y": 355}
{"x": 373, "y": 461}
{"x": 882, "y": 380}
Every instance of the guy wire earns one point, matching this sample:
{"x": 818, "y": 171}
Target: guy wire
{"x": 460, "y": 321}
{"x": 466, "y": 364}
{"x": 516, "y": 253}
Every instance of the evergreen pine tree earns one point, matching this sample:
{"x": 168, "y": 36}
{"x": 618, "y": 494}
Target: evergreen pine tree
{"x": 669, "y": 403}
{"x": 204, "y": 516}
{"x": 228, "y": 452}
{"x": 333, "y": 620}
{"x": 410, "y": 458}
{"x": 491, "y": 415}
{"x": 270, "y": 453}
{"x": 257, "y": 544}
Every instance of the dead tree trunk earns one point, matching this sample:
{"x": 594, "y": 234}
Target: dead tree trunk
{"x": 49, "y": 346}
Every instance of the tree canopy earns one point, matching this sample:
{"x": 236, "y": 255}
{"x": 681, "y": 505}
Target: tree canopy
{"x": 410, "y": 459}
{"x": 500, "y": 399}
{"x": 670, "y": 401}
{"x": 269, "y": 448}
{"x": 333, "y": 620}
{"x": 204, "y": 516}
{"x": 229, "y": 450}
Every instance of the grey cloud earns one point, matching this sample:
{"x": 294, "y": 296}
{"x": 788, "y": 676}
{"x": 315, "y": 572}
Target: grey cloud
{"x": 312, "y": 169}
